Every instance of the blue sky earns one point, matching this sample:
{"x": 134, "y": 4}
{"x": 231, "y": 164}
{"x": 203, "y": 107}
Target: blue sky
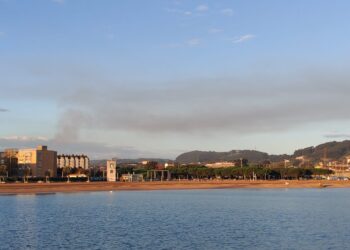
{"x": 157, "y": 78}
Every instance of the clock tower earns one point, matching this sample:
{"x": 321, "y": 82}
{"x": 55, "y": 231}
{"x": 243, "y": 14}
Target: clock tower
{"x": 111, "y": 171}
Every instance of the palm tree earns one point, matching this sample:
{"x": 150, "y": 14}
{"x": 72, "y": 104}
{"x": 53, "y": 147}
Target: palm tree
{"x": 27, "y": 172}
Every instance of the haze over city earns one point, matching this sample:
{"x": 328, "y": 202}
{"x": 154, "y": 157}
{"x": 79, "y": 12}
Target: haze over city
{"x": 157, "y": 78}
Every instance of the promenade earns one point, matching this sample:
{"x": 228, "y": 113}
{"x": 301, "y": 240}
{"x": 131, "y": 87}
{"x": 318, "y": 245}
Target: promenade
{"x": 42, "y": 188}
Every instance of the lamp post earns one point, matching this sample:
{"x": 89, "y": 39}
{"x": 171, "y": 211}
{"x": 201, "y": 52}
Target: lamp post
{"x": 10, "y": 165}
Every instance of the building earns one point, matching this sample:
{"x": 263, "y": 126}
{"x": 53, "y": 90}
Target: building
{"x": 347, "y": 159}
{"x": 132, "y": 177}
{"x": 111, "y": 171}
{"x": 38, "y": 162}
{"x": 77, "y": 175}
{"x": 223, "y": 164}
{"x": 73, "y": 161}
{"x": 144, "y": 163}
{"x": 3, "y": 165}
{"x": 169, "y": 164}
{"x": 9, "y": 162}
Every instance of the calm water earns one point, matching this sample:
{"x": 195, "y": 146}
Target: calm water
{"x": 198, "y": 219}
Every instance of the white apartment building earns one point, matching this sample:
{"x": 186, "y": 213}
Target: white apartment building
{"x": 73, "y": 161}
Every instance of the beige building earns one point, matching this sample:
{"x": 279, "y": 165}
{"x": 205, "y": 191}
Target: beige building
{"x": 73, "y": 161}
{"x": 39, "y": 162}
{"x": 347, "y": 159}
{"x": 111, "y": 169}
{"x": 169, "y": 164}
{"x": 144, "y": 163}
{"x": 223, "y": 164}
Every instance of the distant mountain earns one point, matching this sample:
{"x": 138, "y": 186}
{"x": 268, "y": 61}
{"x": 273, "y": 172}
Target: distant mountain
{"x": 330, "y": 150}
{"x": 253, "y": 156}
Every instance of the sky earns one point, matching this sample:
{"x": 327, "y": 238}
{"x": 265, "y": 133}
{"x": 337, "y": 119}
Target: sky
{"x": 157, "y": 78}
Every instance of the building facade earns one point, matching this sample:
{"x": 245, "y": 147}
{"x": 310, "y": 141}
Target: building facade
{"x": 38, "y": 162}
{"x": 111, "y": 169}
{"x": 73, "y": 161}
{"x": 223, "y": 164}
{"x": 9, "y": 162}
{"x": 132, "y": 177}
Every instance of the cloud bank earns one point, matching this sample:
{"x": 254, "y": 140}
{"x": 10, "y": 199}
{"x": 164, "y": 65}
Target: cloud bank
{"x": 252, "y": 103}
{"x": 337, "y": 136}
{"x": 241, "y": 104}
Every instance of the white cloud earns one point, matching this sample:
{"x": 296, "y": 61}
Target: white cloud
{"x": 338, "y": 135}
{"x": 227, "y": 12}
{"x": 193, "y": 42}
{"x": 24, "y": 138}
{"x": 199, "y": 8}
{"x": 2, "y": 33}
{"x": 243, "y": 38}
{"x": 202, "y": 8}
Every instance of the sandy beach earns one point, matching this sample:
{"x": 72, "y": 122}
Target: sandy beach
{"x": 42, "y": 188}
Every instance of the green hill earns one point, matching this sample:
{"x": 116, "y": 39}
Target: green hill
{"x": 330, "y": 150}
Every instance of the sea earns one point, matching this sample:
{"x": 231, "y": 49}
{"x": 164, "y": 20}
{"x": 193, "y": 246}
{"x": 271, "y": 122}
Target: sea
{"x": 187, "y": 219}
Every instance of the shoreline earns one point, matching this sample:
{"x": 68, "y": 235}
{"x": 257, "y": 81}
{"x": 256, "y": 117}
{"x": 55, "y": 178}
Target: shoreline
{"x": 50, "y": 188}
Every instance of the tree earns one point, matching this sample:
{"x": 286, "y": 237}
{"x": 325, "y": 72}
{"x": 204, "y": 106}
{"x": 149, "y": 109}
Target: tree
{"x": 241, "y": 162}
{"x": 65, "y": 171}
{"x": 151, "y": 165}
{"x": 27, "y": 171}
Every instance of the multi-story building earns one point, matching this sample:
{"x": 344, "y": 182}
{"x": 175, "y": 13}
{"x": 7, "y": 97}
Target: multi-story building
{"x": 8, "y": 159}
{"x": 73, "y": 161}
{"x": 39, "y": 162}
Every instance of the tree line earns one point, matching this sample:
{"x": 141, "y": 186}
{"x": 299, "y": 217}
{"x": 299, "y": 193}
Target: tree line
{"x": 251, "y": 172}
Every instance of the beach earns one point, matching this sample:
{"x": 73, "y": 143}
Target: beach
{"x": 44, "y": 188}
